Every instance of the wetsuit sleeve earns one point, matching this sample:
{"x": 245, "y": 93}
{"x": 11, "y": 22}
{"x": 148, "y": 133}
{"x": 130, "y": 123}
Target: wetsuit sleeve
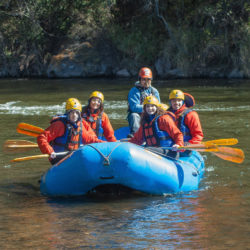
{"x": 88, "y": 135}
{"x": 138, "y": 137}
{"x": 193, "y": 123}
{"x": 108, "y": 130}
{"x": 56, "y": 129}
{"x": 167, "y": 124}
{"x": 134, "y": 101}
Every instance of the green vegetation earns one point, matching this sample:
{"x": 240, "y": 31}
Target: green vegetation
{"x": 189, "y": 33}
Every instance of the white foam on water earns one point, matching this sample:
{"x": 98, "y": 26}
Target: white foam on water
{"x": 116, "y": 104}
{"x": 17, "y": 108}
{"x": 210, "y": 168}
{"x": 218, "y": 108}
{"x": 7, "y": 166}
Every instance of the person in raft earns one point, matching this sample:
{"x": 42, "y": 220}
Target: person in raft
{"x": 158, "y": 128}
{"x": 136, "y": 96}
{"x": 98, "y": 120}
{"x": 187, "y": 120}
{"x": 66, "y": 132}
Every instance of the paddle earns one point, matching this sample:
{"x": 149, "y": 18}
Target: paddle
{"x": 219, "y": 142}
{"x": 34, "y": 157}
{"x": 121, "y": 133}
{"x": 28, "y": 129}
{"x": 230, "y": 154}
{"x": 197, "y": 147}
{"x": 17, "y": 145}
{"x": 226, "y": 153}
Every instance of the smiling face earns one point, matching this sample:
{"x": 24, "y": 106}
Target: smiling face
{"x": 95, "y": 103}
{"x": 74, "y": 116}
{"x": 150, "y": 109}
{"x": 176, "y": 104}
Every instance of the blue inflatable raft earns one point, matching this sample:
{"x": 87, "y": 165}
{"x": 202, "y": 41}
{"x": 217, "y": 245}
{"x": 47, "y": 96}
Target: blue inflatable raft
{"x": 122, "y": 163}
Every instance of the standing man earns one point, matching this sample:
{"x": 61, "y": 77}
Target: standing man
{"x": 136, "y": 96}
{"x": 187, "y": 120}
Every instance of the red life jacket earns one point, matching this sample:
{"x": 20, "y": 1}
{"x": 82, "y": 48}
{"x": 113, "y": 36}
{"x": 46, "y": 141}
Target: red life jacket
{"x": 95, "y": 124}
{"x": 154, "y": 136}
{"x": 72, "y": 137}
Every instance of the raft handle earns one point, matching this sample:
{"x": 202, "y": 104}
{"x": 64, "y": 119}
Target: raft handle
{"x": 107, "y": 178}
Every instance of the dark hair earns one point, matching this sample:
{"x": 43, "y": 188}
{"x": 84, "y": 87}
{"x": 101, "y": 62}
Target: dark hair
{"x": 145, "y": 116}
{"x": 88, "y": 108}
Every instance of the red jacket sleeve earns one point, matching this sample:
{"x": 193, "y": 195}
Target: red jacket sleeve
{"x": 56, "y": 129}
{"x": 138, "y": 137}
{"x": 88, "y": 135}
{"x": 193, "y": 122}
{"x": 167, "y": 124}
{"x": 108, "y": 131}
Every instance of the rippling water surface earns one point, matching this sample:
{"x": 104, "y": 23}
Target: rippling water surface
{"x": 217, "y": 216}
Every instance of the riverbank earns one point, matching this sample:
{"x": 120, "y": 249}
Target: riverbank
{"x": 115, "y": 39}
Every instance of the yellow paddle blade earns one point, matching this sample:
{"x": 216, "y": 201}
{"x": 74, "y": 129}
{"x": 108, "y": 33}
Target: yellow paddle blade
{"x": 28, "y": 129}
{"x": 27, "y": 158}
{"x": 19, "y": 143}
{"x": 16, "y": 146}
{"x": 230, "y": 154}
{"x": 234, "y": 159}
{"x": 25, "y": 132}
{"x": 224, "y": 142}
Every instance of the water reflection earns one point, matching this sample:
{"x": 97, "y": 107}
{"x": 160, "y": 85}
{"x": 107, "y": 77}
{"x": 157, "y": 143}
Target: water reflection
{"x": 214, "y": 217}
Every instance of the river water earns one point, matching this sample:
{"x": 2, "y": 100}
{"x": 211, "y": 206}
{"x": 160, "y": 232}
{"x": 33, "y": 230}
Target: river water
{"x": 217, "y": 216}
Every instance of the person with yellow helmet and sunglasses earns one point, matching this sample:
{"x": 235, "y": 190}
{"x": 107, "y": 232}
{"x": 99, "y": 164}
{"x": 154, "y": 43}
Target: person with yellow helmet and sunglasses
{"x": 66, "y": 132}
{"x": 187, "y": 119}
{"x": 98, "y": 120}
{"x": 158, "y": 128}
{"x": 136, "y": 96}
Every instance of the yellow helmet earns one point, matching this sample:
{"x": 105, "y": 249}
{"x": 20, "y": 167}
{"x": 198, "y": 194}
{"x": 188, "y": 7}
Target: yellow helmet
{"x": 73, "y": 104}
{"x": 151, "y": 100}
{"x": 97, "y": 94}
{"x": 163, "y": 106}
{"x": 176, "y": 94}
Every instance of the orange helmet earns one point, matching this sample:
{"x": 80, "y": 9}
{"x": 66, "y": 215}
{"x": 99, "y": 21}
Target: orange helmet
{"x": 145, "y": 73}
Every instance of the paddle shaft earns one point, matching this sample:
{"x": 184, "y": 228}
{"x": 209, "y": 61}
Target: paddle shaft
{"x": 22, "y": 146}
{"x": 212, "y": 148}
{"x": 35, "y": 157}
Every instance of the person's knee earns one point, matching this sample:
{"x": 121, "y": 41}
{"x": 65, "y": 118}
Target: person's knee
{"x": 134, "y": 116}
